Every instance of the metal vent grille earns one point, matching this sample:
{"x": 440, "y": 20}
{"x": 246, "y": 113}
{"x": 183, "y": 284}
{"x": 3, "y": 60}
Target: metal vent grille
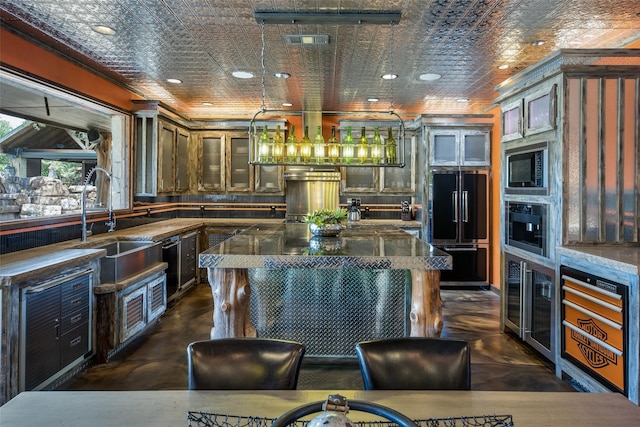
{"x": 135, "y": 310}
{"x": 330, "y": 310}
{"x": 157, "y": 297}
{"x": 307, "y": 39}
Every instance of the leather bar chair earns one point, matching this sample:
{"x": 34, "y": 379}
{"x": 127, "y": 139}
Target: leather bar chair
{"x": 244, "y": 364}
{"x": 415, "y": 364}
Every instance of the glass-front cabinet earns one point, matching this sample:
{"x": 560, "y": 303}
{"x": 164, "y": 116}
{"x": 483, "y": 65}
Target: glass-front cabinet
{"x": 211, "y": 167}
{"x": 401, "y": 180}
{"x": 365, "y": 179}
{"x": 223, "y": 165}
{"x": 534, "y": 113}
{"x": 512, "y": 121}
{"x": 239, "y": 174}
{"x": 459, "y": 147}
{"x": 173, "y": 157}
{"x": 540, "y": 110}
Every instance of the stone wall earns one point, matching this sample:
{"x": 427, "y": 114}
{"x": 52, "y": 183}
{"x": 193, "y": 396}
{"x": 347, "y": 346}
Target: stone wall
{"x": 40, "y": 196}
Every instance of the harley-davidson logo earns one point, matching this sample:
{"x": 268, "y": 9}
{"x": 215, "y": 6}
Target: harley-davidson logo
{"x": 596, "y": 355}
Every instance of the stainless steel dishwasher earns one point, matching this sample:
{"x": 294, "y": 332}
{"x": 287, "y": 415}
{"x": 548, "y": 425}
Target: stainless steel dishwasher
{"x": 171, "y": 255}
{"x": 180, "y": 253}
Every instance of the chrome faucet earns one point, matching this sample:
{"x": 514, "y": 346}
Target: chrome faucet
{"x": 111, "y": 223}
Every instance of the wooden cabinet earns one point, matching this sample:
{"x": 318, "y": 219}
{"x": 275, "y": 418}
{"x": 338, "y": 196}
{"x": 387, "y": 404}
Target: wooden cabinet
{"x": 367, "y": 179}
{"x": 459, "y": 147}
{"x": 533, "y": 113}
{"x": 223, "y": 165}
{"x": 173, "y": 158}
{"x": 140, "y": 305}
{"x": 211, "y": 164}
{"x": 162, "y": 155}
{"x": 239, "y": 173}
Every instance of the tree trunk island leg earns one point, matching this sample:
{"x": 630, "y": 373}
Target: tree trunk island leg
{"x": 426, "y": 305}
{"x": 231, "y": 291}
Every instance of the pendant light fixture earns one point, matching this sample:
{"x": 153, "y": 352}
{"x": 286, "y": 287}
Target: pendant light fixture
{"x": 389, "y": 153}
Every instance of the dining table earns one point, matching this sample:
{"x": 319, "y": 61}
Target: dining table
{"x": 175, "y": 407}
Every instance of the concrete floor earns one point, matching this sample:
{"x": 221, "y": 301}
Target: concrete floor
{"x": 157, "y": 360}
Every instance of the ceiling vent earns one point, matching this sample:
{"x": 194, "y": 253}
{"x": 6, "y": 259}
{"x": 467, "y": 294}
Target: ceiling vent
{"x": 307, "y": 39}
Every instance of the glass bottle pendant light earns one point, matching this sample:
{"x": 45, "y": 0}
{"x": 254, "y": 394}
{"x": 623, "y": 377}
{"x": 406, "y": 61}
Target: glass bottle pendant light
{"x": 390, "y": 149}
{"x": 376, "y": 147}
{"x": 362, "y": 148}
{"x": 318, "y": 146}
{"x": 347, "y": 147}
{"x": 264, "y": 149}
{"x": 292, "y": 146}
{"x": 333, "y": 147}
{"x": 305, "y": 146}
{"x": 278, "y": 146}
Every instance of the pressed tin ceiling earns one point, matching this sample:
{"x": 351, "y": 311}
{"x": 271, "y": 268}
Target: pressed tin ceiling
{"x": 201, "y": 42}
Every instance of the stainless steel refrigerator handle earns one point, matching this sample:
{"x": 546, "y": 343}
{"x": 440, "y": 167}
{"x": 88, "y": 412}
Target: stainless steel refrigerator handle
{"x": 454, "y": 197}
{"x": 465, "y": 206}
{"x": 527, "y": 274}
{"x": 171, "y": 245}
{"x": 452, "y": 249}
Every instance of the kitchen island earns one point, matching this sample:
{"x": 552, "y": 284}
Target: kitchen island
{"x": 291, "y": 250}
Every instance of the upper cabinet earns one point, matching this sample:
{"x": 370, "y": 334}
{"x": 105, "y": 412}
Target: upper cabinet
{"x": 223, "y": 165}
{"x": 162, "y": 155}
{"x": 368, "y": 179}
{"x": 173, "y": 159}
{"x": 534, "y": 113}
{"x": 540, "y": 110}
{"x": 452, "y": 146}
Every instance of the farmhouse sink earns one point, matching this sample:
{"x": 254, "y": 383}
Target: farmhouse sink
{"x": 127, "y": 258}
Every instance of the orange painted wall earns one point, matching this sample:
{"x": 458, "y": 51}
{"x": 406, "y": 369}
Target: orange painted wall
{"x": 496, "y": 168}
{"x": 22, "y": 55}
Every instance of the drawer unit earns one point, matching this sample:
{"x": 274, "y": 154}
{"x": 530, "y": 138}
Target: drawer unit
{"x": 56, "y": 328}
{"x": 594, "y": 330}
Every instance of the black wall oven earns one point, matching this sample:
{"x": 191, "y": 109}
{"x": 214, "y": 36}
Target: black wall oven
{"x": 526, "y": 227}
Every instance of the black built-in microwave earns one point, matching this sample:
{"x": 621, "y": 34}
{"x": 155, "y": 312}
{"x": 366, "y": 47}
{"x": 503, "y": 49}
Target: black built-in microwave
{"x": 527, "y": 171}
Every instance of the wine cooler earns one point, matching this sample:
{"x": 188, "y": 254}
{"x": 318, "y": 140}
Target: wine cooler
{"x": 530, "y": 303}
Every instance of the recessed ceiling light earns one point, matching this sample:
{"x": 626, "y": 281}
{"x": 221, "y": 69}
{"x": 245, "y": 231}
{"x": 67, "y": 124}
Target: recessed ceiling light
{"x": 373, "y": 99}
{"x": 287, "y": 104}
{"x": 538, "y": 42}
{"x": 462, "y": 100}
{"x": 207, "y": 103}
{"x": 503, "y": 66}
{"x": 430, "y": 76}
{"x": 175, "y": 81}
{"x": 389, "y": 76}
{"x": 242, "y": 74}
{"x": 104, "y": 29}
{"x": 282, "y": 75}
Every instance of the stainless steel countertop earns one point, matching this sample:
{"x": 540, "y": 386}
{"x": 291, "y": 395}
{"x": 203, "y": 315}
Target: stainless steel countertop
{"x": 44, "y": 261}
{"x": 283, "y": 246}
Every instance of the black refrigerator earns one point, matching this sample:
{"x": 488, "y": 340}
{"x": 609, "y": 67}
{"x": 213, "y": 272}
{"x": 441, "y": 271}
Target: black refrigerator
{"x": 459, "y": 224}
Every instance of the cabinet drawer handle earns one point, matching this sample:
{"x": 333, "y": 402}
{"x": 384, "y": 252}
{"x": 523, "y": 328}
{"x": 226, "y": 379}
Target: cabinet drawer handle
{"x": 75, "y": 341}
{"x": 592, "y": 338}
{"x": 592, "y": 299}
{"x": 591, "y": 287}
{"x": 76, "y": 318}
{"x": 77, "y": 301}
{"x": 583, "y": 310}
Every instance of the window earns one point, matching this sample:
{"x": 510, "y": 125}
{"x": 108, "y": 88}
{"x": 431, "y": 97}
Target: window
{"x": 49, "y": 141}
